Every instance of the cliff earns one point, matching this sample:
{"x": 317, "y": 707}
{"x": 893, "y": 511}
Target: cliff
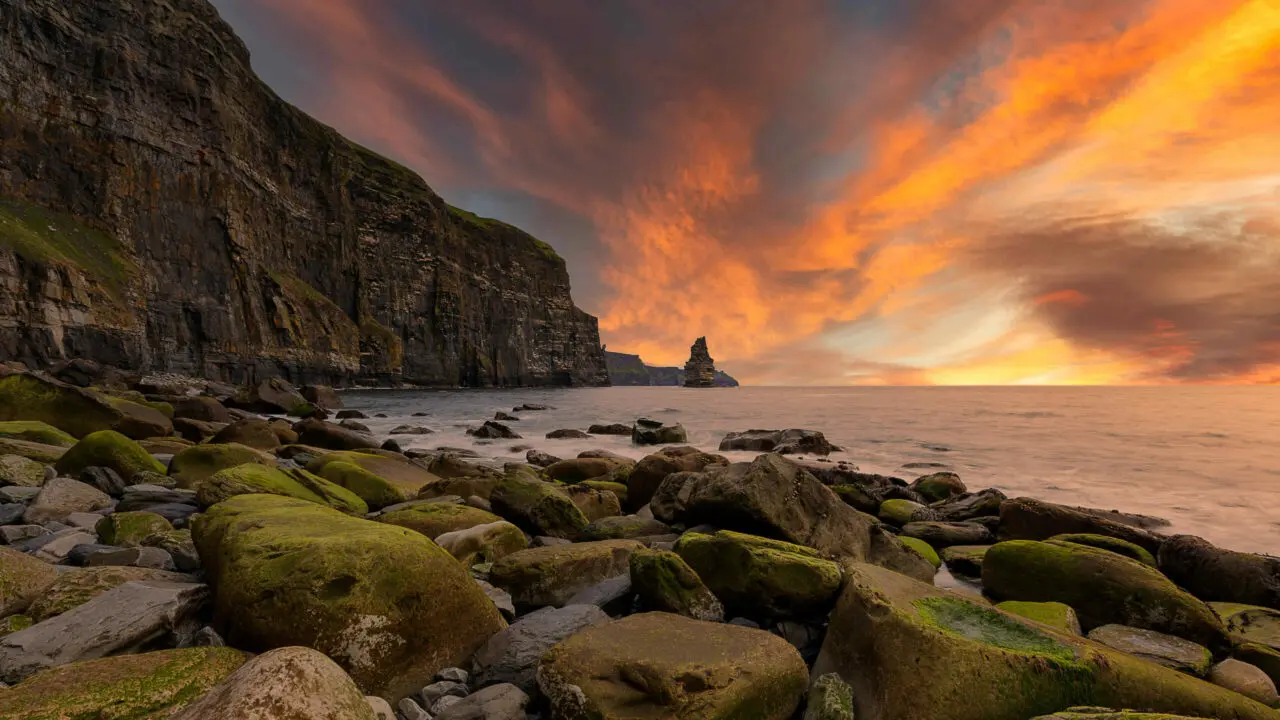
{"x": 630, "y": 370}
{"x": 162, "y": 209}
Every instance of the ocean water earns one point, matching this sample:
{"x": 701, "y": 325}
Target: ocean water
{"x": 1205, "y": 458}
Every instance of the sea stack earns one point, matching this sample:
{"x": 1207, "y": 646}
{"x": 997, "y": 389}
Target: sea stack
{"x": 700, "y": 371}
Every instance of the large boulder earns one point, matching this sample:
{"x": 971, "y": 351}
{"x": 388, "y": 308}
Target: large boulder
{"x": 946, "y": 534}
{"x": 652, "y": 432}
{"x": 62, "y": 496}
{"x": 437, "y": 518}
{"x": 773, "y": 495}
{"x": 483, "y": 543}
{"x": 72, "y": 589}
{"x": 251, "y": 479}
{"x": 22, "y": 580}
{"x": 322, "y": 396}
{"x": 321, "y": 434}
{"x": 911, "y": 557}
{"x": 1103, "y": 587}
{"x": 664, "y": 582}
{"x": 36, "y": 432}
{"x": 109, "y": 449}
{"x": 386, "y": 603}
{"x": 625, "y": 527}
{"x": 537, "y": 507}
{"x": 1167, "y": 650}
{"x": 1031, "y": 519}
{"x": 782, "y": 442}
{"x": 135, "y": 615}
{"x": 273, "y": 395}
{"x": 939, "y": 486}
{"x": 984, "y": 503}
{"x": 252, "y": 432}
{"x": 511, "y": 656}
{"x": 553, "y": 574}
{"x": 594, "y": 502}
{"x": 380, "y": 478}
{"x": 659, "y": 665}
{"x": 47, "y": 454}
{"x": 201, "y": 408}
{"x": 192, "y": 466}
{"x": 1245, "y": 679}
{"x": 491, "y": 430}
{"x": 579, "y": 469}
{"x": 649, "y": 473}
{"x": 283, "y": 684}
{"x": 1250, "y": 623}
{"x": 1218, "y": 574}
{"x": 1115, "y": 545}
{"x": 24, "y": 396}
{"x": 762, "y": 578}
{"x": 912, "y": 651}
{"x": 150, "y": 685}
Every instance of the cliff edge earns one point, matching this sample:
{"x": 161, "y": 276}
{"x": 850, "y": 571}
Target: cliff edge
{"x": 162, "y": 209}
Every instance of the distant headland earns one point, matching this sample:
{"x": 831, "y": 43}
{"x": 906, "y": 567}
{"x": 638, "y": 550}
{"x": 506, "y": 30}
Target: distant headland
{"x": 699, "y": 371}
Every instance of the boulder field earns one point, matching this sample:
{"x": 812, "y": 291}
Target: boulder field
{"x": 309, "y": 570}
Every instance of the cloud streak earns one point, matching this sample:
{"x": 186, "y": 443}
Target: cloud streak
{"x": 850, "y": 191}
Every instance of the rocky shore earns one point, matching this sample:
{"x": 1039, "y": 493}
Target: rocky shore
{"x": 187, "y": 549}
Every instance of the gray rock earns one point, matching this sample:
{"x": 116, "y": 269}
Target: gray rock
{"x": 127, "y": 618}
{"x": 941, "y": 535}
{"x": 783, "y": 442}
{"x": 83, "y": 521}
{"x": 138, "y": 497}
{"x": 381, "y": 708}
{"x": 411, "y": 710}
{"x": 11, "y": 513}
{"x": 146, "y": 557}
{"x": 11, "y": 534}
{"x": 608, "y": 594}
{"x": 79, "y": 555}
{"x": 18, "y": 494}
{"x": 1167, "y": 650}
{"x": 567, "y": 434}
{"x": 105, "y": 479}
{"x": 511, "y": 656}
{"x": 493, "y": 431}
{"x": 62, "y": 496}
{"x": 454, "y": 674}
{"x": 436, "y": 690}
{"x": 501, "y": 599}
{"x": 984, "y": 503}
{"x": 175, "y": 513}
{"x": 60, "y": 544}
{"x": 542, "y": 459}
{"x": 652, "y": 432}
{"x": 444, "y": 703}
{"x": 496, "y": 702}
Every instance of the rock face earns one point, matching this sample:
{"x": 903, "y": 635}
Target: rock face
{"x": 700, "y": 370}
{"x": 172, "y": 217}
{"x": 630, "y": 370}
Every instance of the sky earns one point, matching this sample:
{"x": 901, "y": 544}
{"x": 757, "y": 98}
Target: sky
{"x": 844, "y": 192}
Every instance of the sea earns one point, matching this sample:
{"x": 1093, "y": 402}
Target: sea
{"x": 1207, "y": 459}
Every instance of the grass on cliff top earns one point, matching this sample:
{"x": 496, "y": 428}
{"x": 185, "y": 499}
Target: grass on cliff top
{"x": 469, "y": 217}
{"x": 40, "y": 235}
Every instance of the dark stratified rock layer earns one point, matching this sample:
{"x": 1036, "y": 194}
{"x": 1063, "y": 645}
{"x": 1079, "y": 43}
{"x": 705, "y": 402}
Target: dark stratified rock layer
{"x": 162, "y": 209}
{"x": 630, "y": 370}
{"x": 700, "y": 370}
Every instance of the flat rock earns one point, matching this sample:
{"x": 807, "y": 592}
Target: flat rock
{"x": 1167, "y": 650}
{"x": 496, "y": 702}
{"x": 56, "y": 547}
{"x": 143, "y": 557}
{"x": 62, "y": 496}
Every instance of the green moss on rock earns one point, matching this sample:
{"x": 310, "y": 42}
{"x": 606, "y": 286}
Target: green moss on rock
{"x": 193, "y": 465}
{"x": 1115, "y": 545}
{"x": 14, "y": 623}
{"x": 125, "y": 687}
{"x": 923, "y": 548}
{"x": 252, "y": 479}
{"x": 900, "y": 512}
{"x": 36, "y": 432}
{"x": 77, "y": 587}
{"x": 51, "y": 238}
{"x": 110, "y": 449}
{"x": 537, "y": 507}
{"x": 73, "y": 410}
{"x": 376, "y": 491}
{"x": 1056, "y": 615}
{"x": 437, "y": 518}
{"x": 18, "y": 470}
{"x": 129, "y": 529}
{"x": 387, "y": 604}
{"x": 762, "y": 578}
{"x": 22, "y": 580}
{"x": 664, "y": 582}
{"x": 47, "y": 454}
{"x": 486, "y": 543}
{"x": 550, "y": 575}
{"x": 405, "y": 477}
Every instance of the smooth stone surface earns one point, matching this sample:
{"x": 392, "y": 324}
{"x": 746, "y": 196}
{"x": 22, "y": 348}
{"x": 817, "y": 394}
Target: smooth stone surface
{"x": 62, "y": 496}
{"x": 284, "y": 684}
{"x": 511, "y": 656}
{"x": 143, "y": 557}
{"x": 496, "y": 702}
{"x": 1167, "y": 650}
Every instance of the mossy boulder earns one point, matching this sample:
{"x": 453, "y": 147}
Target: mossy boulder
{"x": 74, "y": 410}
{"x": 576, "y": 470}
{"x": 437, "y": 518}
{"x": 24, "y": 472}
{"x": 648, "y": 474}
{"x": 1031, "y": 519}
{"x": 888, "y": 632}
{"x": 1167, "y": 650}
{"x": 15, "y": 623}
{"x": 946, "y": 534}
{"x": 292, "y": 683}
{"x": 483, "y": 543}
{"x": 625, "y": 527}
{"x": 1115, "y": 545}
{"x": 1086, "y": 713}
{"x": 387, "y": 604}
{"x": 109, "y": 449}
{"x": 251, "y": 479}
{"x": 1250, "y": 623}
{"x": 1054, "y": 614}
{"x": 595, "y": 504}
{"x": 1103, "y": 587}
{"x": 660, "y": 665}
{"x": 36, "y": 432}
{"x": 761, "y": 578}
{"x": 892, "y": 552}
{"x": 202, "y": 408}
{"x": 664, "y": 582}
{"x": 965, "y": 560}
{"x": 380, "y": 479}
{"x": 47, "y": 454}
{"x": 164, "y": 446}
{"x": 192, "y": 466}
{"x": 939, "y": 486}
{"x": 1217, "y": 574}
{"x": 77, "y": 587}
{"x": 253, "y": 432}
{"x": 550, "y": 575}
{"x": 900, "y": 512}
{"x": 124, "y": 687}
{"x": 537, "y": 507}
{"x": 618, "y": 489}
{"x": 22, "y": 580}
{"x": 924, "y": 549}
{"x": 129, "y": 529}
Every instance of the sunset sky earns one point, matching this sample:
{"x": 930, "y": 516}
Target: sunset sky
{"x": 846, "y": 191}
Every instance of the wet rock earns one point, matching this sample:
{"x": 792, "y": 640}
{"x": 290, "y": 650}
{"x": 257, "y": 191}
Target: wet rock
{"x": 283, "y": 684}
{"x": 652, "y": 432}
{"x": 946, "y": 534}
{"x": 902, "y": 512}
{"x": 783, "y": 442}
{"x": 540, "y": 459}
{"x": 1115, "y": 545}
{"x": 417, "y": 609}
{"x": 1103, "y": 587}
{"x": 505, "y": 417}
{"x": 611, "y": 429}
{"x": 984, "y": 503}
{"x": 318, "y": 433}
{"x": 536, "y": 507}
{"x": 1245, "y": 679}
{"x": 1029, "y": 519}
{"x": 649, "y": 473}
{"x": 355, "y": 425}
{"x": 593, "y": 672}
{"x": 543, "y": 576}
{"x": 483, "y": 543}
{"x": 411, "y": 430}
{"x": 761, "y": 578}
{"x": 1214, "y": 573}
{"x": 493, "y": 431}
{"x": 939, "y": 486}
{"x": 1167, "y": 650}
{"x": 1056, "y": 615}
{"x": 252, "y": 432}
{"x": 663, "y": 582}
{"x": 830, "y": 698}
{"x": 531, "y": 407}
{"x": 126, "y": 617}
{"x": 350, "y": 414}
